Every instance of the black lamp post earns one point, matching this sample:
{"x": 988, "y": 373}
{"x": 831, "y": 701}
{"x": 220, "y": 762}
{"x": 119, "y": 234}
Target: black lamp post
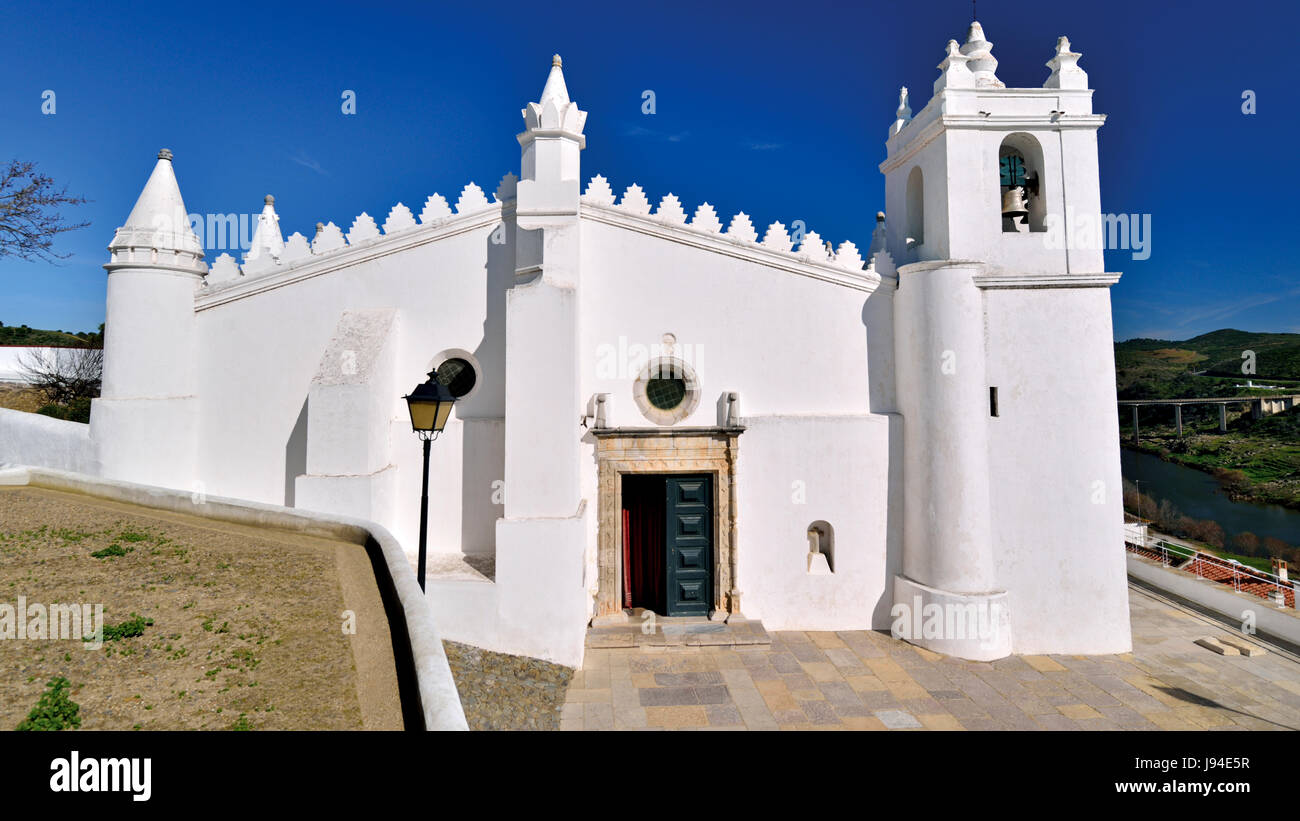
{"x": 430, "y": 405}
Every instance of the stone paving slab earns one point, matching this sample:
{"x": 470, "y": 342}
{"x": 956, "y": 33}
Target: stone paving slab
{"x": 866, "y": 680}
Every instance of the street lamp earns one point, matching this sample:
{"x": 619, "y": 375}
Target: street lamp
{"x": 430, "y": 406}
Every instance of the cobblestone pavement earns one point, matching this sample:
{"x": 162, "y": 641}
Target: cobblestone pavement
{"x": 503, "y": 692}
{"x": 866, "y": 680}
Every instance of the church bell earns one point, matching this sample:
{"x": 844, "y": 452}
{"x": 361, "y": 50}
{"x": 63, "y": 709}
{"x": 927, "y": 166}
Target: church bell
{"x": 1013, "y": 204}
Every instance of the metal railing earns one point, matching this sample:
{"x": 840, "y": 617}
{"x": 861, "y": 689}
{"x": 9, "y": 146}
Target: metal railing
{"x": 1181, "y": 557}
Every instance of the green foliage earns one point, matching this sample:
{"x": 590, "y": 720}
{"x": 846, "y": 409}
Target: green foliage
{"x": 54, "y": 710}
{"x": 112, "y": 552}
{"x": 23, "y": 335}
{"x": 78, "y": 410}
{"x": 1207, "y": 365}
{"x": 130, "y": 628}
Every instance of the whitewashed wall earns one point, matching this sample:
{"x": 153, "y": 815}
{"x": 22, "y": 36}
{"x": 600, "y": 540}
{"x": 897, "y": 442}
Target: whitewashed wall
{"x": 41, "y": 441}
{"x": 796, "y": 470}
{"x": 260, "y": 352}
{"x": 796, "y": 350}
{"x": 1054, "y": 470}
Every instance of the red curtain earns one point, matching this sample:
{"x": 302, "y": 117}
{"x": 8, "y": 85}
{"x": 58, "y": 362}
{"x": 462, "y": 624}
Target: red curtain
{"x": 644, "y": 545}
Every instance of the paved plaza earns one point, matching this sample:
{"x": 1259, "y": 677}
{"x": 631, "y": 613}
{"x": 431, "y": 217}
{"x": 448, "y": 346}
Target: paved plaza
{"x": 865, "y": 680}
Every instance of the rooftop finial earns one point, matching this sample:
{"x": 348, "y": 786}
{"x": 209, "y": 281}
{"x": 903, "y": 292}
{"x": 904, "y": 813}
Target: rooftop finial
{"x": 982, "y": 62}
{"x": 165, "y": 154}
{"x": 956, "y": 70}
{"x": 1065, "y": 67}
{"x": 554, "y": 109}
{"x": 904, "y": 112}
{"x": 878, "y": 236}
{"x": 268, "y": 242}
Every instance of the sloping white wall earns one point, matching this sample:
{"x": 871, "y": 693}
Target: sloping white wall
{"x": 40, "y": 441}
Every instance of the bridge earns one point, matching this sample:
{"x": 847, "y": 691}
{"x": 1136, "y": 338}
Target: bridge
{"x": 1260, "y": 406}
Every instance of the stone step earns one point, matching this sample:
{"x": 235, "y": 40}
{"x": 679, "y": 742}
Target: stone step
{"x": 669, "y": 632}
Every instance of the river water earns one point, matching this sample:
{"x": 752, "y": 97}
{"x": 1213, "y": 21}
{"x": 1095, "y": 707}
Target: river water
{"x": 1199, "y": 495}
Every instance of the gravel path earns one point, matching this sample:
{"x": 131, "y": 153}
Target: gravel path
{"x": 503, "y": 692}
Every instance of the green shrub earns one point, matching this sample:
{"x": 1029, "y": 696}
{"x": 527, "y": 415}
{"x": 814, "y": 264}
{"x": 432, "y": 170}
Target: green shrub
{"x": 112, "y": 551}
{"x": 78, "y": 410}
{"x": 130, "y": 628}
{"x": 54, "y": 711}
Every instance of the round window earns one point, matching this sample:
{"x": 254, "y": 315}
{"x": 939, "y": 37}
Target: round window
{"x": 458, "y": 376}
{"x": 667, "y": 391}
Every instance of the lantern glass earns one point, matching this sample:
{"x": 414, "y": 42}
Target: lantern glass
{"x": 430, "y": 406}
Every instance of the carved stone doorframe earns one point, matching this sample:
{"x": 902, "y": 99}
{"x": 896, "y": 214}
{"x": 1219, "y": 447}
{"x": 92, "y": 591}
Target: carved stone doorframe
{"x": 623, "y": 451}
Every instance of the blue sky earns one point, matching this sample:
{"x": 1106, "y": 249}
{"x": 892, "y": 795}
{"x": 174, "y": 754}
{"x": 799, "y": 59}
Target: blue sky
{"x": 777, "y": 109}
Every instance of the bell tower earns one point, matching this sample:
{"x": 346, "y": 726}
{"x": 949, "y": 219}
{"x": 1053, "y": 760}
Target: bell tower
{"x": 1005, "y": 365}
{"x": 948, "y": 168}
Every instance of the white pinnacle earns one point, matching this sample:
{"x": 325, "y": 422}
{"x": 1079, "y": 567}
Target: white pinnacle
{"x": 555, "y": 89}
{"x": 267, "y": 238}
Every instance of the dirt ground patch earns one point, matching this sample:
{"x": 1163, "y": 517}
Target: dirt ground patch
{"x": 247, "y": 623}
{"x": 503, "y": 692}
{"x": 19, "y": 397}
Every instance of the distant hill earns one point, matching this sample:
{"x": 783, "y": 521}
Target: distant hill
{"x": 1206, "y": 365}
{"x": 23, "y": 335}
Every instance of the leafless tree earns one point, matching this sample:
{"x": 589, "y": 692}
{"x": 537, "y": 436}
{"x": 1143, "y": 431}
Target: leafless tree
{"x": 62, "y": 375}
{"x": 29, "y": 216}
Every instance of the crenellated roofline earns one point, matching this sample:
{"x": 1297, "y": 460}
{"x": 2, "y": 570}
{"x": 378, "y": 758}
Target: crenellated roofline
{"x": 359, "y": 251}
{"x": 813, "y": 258}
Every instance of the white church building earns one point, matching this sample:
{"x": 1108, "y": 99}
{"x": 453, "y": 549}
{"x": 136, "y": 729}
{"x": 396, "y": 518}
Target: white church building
{"x": 664, "y": 409}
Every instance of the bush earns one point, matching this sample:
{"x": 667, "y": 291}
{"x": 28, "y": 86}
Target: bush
{"x": 54, "y": 711}
{"x": 78, "y": 410}
{"x": 128, "y": 629}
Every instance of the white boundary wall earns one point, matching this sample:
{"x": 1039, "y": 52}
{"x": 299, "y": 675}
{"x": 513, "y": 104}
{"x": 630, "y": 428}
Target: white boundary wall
{"x": 33, "y": 439}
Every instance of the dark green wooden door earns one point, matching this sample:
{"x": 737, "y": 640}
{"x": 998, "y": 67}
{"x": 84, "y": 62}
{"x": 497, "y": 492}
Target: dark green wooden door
{"x": 690, "y": 545}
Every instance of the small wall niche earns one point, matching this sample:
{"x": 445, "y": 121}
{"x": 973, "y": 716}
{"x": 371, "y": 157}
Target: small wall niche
{"x": 821, "y": 549}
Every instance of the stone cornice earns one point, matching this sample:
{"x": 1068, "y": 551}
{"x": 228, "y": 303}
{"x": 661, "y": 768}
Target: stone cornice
{"x": 646, "y": 433}
{"x": 386, "y": 245}
{"x": 1032, "y": 281}
{"x": 790, "y": 261}
{"x": 978, "y": 122}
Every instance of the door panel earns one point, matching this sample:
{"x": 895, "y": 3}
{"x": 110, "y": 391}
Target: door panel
{"x": 689, "y": 528}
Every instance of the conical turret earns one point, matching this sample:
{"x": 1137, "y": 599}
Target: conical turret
{"x": 157, "y": 232}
